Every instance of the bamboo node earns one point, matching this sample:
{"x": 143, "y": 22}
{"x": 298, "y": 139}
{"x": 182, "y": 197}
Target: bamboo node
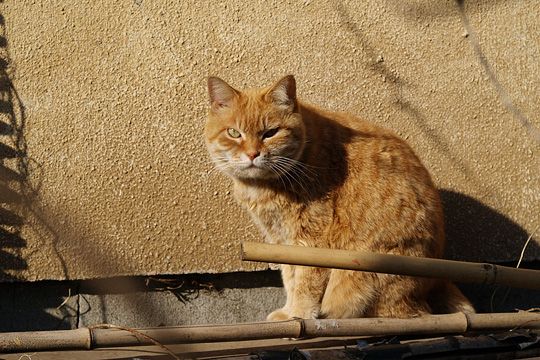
{"x": 490, "y": 274}
{"x": 90, "y": 341}
{"x": 302, "y": 327}
{"x": 467, "y": 321}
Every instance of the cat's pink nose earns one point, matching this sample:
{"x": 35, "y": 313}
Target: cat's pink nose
{"x": 252, "y": 155}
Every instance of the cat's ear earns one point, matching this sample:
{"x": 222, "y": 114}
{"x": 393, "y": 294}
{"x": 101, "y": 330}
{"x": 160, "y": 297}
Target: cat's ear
{"x": 283, "y": 93}
{"x": 221, "y": 94}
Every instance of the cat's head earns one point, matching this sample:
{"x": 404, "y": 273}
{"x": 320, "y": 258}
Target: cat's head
{"x": 255, "y": 134}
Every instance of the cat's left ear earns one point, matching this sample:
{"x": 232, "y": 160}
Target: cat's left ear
{"x": 283, "y": 93}
{"x": 221, "y": 94}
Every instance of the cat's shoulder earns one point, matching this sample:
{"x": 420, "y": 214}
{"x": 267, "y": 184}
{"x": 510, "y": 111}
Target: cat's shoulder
{"x": 345, "y": 121}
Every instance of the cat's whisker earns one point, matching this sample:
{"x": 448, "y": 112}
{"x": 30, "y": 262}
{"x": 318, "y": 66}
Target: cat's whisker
{"x": 297, "y": 167}
{"x": 301, "y": 164}
{"x": 304, "y": 175}
{"x": 302, "y": 180}
{"x": 303, "y": 170}
{"x": 281, "y": 174}
{"x": 287, "y": 166}
{"x": 216, "y": 169}
{"x": 284, "y": 174}
{"x": 278, "y": 175}
{"x": 288, "y": 174}
{"x": 220, "y": 164}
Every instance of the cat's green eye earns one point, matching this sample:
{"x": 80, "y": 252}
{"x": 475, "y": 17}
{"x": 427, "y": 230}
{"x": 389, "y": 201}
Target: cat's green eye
{"x": 235, "y": 134}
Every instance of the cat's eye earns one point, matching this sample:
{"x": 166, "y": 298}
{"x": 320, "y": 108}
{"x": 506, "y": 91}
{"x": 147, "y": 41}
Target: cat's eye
{"x": 270, "y": 133}
{"x": 235, "y": 134}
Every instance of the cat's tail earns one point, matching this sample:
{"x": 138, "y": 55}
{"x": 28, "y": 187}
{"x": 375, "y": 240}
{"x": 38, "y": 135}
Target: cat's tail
{"x": 446, "y": 298}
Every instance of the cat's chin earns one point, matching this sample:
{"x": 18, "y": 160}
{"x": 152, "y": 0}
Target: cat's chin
{"x": 253, "y": 174}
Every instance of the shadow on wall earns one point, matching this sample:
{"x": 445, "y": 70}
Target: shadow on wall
{"x": 475, "y": 232}
{"x": 12, "y": 169}
{"x": 396, "y": 85}
{"x": 429, "y": 10}
{"x": 21, "y": 308}
{"x": 17, "y": 310}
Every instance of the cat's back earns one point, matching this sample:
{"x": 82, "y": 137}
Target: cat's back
{"x": 386, "y": 185}
{"x": 364, "y": 143}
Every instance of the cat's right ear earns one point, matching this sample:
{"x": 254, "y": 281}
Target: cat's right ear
{"x": 221, "y": 94}
{"x": 283, "y": 93}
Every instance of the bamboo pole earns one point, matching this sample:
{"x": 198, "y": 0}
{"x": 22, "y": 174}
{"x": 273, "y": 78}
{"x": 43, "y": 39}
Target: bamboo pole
{"x": 460, "y": 271}
{"x": 84, "y": 339}
{"x": 46, "y": 340}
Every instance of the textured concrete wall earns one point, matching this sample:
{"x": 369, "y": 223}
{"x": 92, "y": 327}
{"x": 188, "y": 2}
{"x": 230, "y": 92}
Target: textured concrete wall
{"x": 104, "y": 171}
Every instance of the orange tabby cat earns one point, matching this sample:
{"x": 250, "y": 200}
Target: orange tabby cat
{"x": 316, "y": 178}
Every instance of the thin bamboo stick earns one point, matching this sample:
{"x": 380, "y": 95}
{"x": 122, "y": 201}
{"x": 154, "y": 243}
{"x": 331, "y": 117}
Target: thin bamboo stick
{"x": 297, "y": 328}
{"x": 392, "y": 264}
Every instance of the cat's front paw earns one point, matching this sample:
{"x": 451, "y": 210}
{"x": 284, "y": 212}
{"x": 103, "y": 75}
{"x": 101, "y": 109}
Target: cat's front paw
{"x": 311, "y": 313}
{"x": 278, "y": 315}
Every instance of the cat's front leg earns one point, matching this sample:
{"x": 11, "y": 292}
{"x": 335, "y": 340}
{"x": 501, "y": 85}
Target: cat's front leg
{"x": 287, "y": 275}
{"x": 310, "y": 285}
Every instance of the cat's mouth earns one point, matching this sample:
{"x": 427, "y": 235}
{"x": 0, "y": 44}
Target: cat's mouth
{"x": 253, "y": 168}
{"x": 250, "y": 166}
{"x": 254, "y": 171}
{"x": 254, "y": 164}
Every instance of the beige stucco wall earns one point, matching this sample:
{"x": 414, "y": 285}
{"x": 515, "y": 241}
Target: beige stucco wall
{"x": 115, "y": 176}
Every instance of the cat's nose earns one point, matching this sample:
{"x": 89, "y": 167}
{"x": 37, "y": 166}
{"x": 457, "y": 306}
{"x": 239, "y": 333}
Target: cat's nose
{"x": 252, "y": 155}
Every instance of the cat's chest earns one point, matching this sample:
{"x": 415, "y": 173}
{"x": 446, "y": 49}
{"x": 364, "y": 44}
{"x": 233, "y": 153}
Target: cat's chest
{"x": 269, "y": 212}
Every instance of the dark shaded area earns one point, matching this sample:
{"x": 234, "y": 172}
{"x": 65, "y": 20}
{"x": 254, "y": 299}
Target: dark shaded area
{"x": 476, "y": 232}
{"x": 212, "y": 282}
{"x": 502, "y": 345}
{"x": 492, "y": 298}
{"x": 27, "y": 306}
{"x": 12, "y": 168}
{"x": 36, "y": 306}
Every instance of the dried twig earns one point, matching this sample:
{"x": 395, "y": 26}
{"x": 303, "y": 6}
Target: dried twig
{"x": 26, "y": 356}
{"x": 517, "y": 266}
{"x": 184, "y": 290}
{"x": 65, "y": 300}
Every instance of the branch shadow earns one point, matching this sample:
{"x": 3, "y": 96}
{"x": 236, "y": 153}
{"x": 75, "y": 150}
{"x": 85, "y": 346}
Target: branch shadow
{"x": 431, "y": 10}
{"x": 21, "y": 211}
{"x": 396, "y": 87}
{"x": 12, "y": 173}
{"x": 17, "y": 311}
{"x": 424, "y": 11}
